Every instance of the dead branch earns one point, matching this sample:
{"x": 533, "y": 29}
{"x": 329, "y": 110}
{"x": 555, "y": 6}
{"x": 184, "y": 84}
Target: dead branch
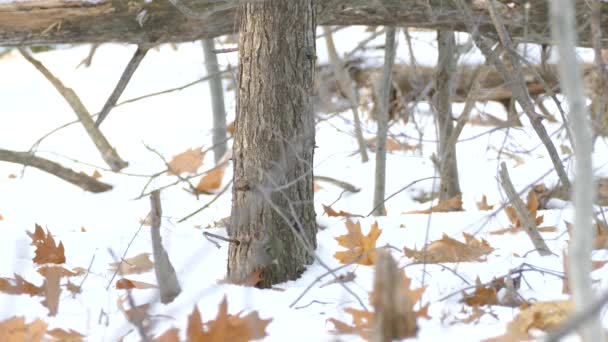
{"x": 108, "y": 154}
{"x": 44, "y": 22}
{"x": 138, "y": 56}
{"x": 523, "y": 215}
{"x": 81, "y": 180}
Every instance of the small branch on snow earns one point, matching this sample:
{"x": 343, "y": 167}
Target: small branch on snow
{"x": 523, "y": 215}
{"x": 81, "y": 180}
{"x": 165, "y": 273}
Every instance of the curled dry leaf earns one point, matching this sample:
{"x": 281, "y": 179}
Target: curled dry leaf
{"x": 544, "y": 316}
{"x": 450, "y": 250}
{"x": 138, "y": 264}
{"x": 452, "y": 204}
{"x": 15, "y": 329}
{"x": 46, "y": 249}
{"x": 600, "y": 235}
{"x": 186, "y": 162}
{"x": 332, "y": 213}
{"x": 358, "y": 244}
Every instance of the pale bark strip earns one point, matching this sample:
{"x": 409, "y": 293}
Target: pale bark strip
{"x": 348, "y": 89}
{"x": 217, "y": 100}
{"x": 137, "y": 57}
{"x": 81, "y": 180}
{"x": 383, "y": 89}
{"x": 108, "y": 154}
{"x": 563, "y": 25}
{"x": 514, "y": 79}
{"x": 444, "y": 81}
{"x": 527, "y": 221}
{"x": 394, "y": 318}
{"x": 168, "y": 285}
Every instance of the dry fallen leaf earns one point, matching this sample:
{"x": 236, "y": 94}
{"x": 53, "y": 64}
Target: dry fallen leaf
{"x": 186, "y": 162}
{"x": 46, "y": 249}
{"x": 12, "y": 176}
{"x": 600, "y": 235}
{"x": 452, "y": 204}
{"x": 138, "y": 264}
{"x": 230, "y": 128}
{"x": 225, "y": 327}
{"x": 393, "y": 145}
{"x": 61, "y": 335}
{"x": 96, "y": 175}
{"x": 125, "y": 284}
{"x": 544, "y": 316}
{"x": 252, "y": 279}
{"x": 483, "y": 204}
{"x": 532, "y": 206}
{"x": 482, "y": 295}
{"x": 1, "y": 217}
{"x": 19, "y": 286}
{"x": 316, "y": 187}
{"x": 212, "y": 181}
{"x": 332, "y": 213}
{"x": 16, "y": 330}
{"x": 449, "y": 250}
{"x": 358, "y": 244}
{"x": 362, "y": 323}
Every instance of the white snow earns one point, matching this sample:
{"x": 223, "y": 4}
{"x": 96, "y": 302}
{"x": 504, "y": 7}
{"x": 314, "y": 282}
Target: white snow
{"x": 174, "y": 122}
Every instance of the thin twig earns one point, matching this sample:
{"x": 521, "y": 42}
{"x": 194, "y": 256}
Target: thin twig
{"x": 108, "y": 154}
{"x": 400, "y": 190}
{"x": 206, "y": 205}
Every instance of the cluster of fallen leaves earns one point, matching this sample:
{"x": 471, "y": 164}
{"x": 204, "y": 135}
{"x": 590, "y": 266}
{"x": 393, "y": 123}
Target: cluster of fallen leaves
{"x": 48, "y": 255}
{"x": 15, "y": 329}
{"x": 189, "y": 162}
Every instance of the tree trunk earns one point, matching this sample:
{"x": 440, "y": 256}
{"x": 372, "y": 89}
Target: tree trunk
{"x": 273, "y": 216}
{"x": 446, "y": 68}
{"x": 581, "y": 237}
{"x": 217, "y": 100}
{"x": 383, "y": 89}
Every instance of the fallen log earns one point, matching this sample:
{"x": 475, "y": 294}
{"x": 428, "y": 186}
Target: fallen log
{"x": 43, "y": 22}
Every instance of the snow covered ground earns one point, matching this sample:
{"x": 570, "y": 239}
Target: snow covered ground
{"x": 172, "y": 123}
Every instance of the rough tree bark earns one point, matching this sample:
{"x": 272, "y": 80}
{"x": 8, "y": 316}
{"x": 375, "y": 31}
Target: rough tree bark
{"x": 273, "y": 217}
{"x": 58, "y": 21}
{"x": 446, "y": 68}
{"x": 217, "y": 100}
